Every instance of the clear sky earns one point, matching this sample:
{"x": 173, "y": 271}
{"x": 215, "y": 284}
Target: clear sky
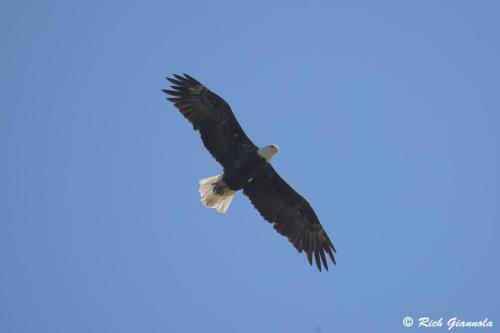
{"x": 387, "y": 114}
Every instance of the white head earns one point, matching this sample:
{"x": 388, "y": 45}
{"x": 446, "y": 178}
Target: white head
{"x": 268, "y": 151}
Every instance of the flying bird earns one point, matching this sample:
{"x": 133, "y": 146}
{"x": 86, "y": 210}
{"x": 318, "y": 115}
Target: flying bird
{"x": 247, "y": 167}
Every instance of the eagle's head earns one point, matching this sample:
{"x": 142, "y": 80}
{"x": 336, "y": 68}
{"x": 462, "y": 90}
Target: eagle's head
{"x": 268, "y": 151}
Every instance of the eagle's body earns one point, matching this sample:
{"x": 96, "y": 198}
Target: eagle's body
{"x": 247, "y": 168}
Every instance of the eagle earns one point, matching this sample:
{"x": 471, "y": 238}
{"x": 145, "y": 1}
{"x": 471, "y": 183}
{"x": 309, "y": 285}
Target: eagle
{"x": 247, "y": 167}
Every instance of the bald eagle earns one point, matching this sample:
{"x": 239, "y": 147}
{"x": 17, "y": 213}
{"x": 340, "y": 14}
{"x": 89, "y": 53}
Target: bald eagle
{"x": 247, "y": 167}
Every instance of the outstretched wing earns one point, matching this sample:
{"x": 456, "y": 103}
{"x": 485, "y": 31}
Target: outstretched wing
{"x": 209, "y": 114}
{"x": 291, "y": 215}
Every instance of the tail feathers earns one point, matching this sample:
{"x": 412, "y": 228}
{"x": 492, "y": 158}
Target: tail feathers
{"x": 220, "y": 200}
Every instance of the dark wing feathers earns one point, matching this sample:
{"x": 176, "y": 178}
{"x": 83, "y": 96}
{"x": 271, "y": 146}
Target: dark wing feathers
{"x": 209, "y": 114}
{"x": 291, "y": 215}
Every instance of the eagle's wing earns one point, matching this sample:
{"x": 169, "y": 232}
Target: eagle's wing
{"x": 221, "y": 133}
{"x": 291, "y": 215}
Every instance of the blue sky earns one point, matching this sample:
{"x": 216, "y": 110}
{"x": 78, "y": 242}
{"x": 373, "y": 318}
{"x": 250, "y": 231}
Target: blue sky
{"x": 387, "y": 115}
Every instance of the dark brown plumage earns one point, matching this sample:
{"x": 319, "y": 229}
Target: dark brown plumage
{"x": 278, "y": 203}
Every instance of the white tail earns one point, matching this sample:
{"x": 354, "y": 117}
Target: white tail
{"x": 220, "y": 200}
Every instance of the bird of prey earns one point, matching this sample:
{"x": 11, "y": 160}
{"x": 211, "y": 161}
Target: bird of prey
{"x": 247, "y": 167}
